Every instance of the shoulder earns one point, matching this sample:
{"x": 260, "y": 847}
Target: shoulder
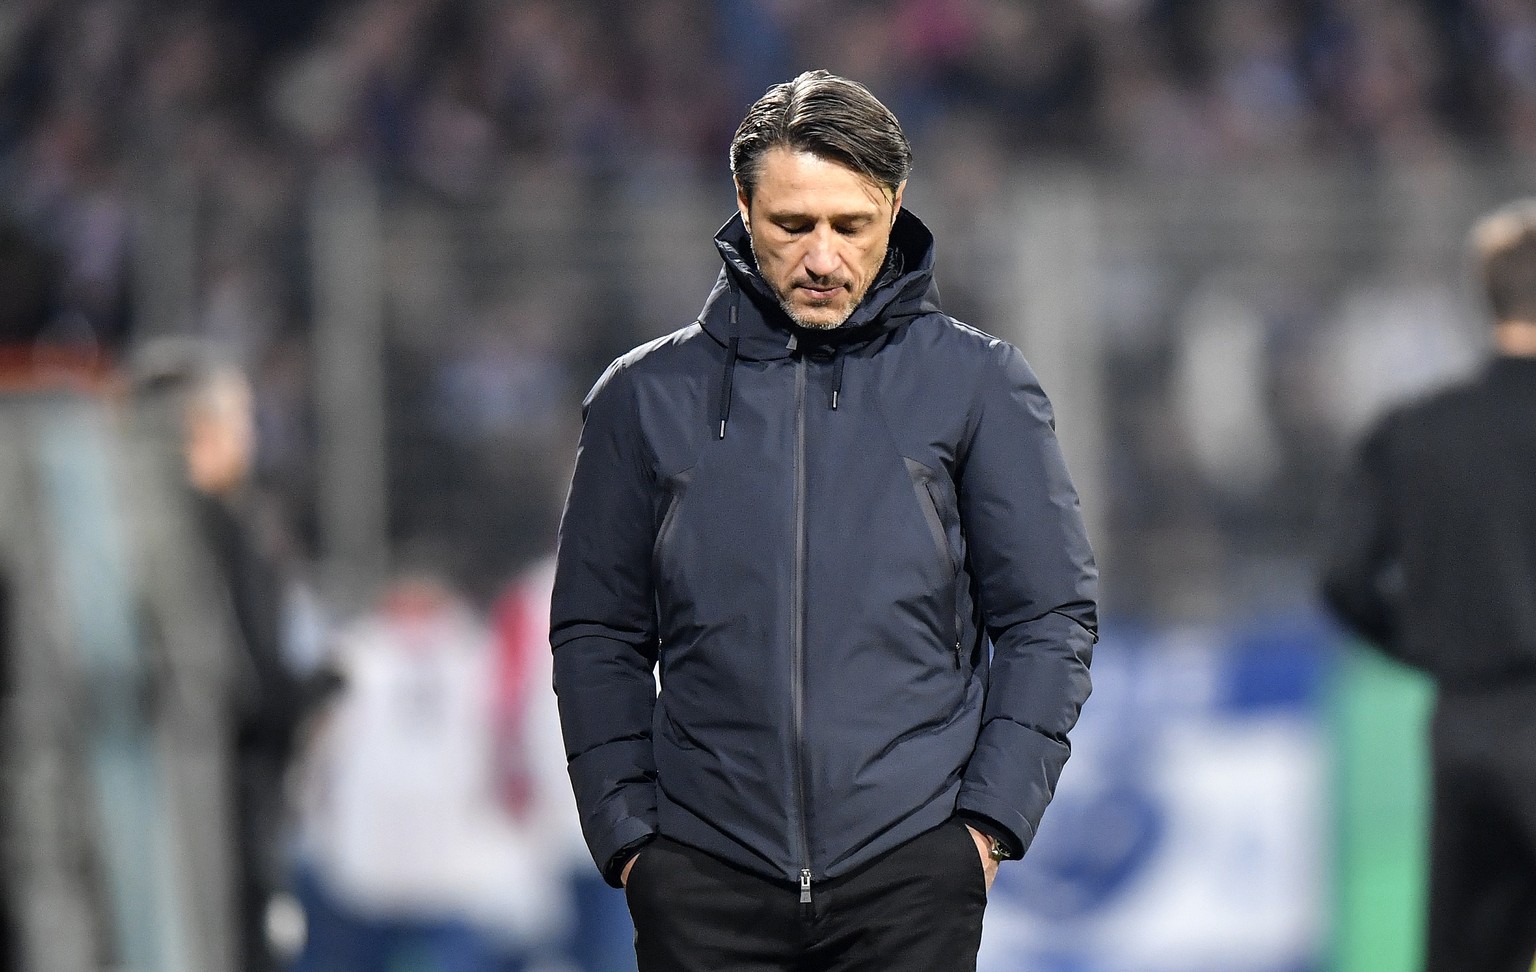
{"x": 1437, "y": 420}
{"x": 957, "y": 336}
{"x": 957, "y": 344}
{"x": 663, "y": 356}
{"x": 665, "y": 352}
{"x": 1434, "y": 408}
{"x": 977, "y": 372}
{"x": 666, "y": 349}
{"x": 991, "y": 365}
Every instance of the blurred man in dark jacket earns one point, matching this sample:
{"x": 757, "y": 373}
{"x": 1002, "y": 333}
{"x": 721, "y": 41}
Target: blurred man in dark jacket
{"x": 214, "y": 399}
{"x": 1434, "y": 560}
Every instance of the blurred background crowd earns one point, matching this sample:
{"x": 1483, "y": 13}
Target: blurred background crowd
{"x": 1227, "y": 233}
{"x": 172, "y": 156}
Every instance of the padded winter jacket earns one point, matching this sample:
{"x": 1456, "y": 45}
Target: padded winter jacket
{"x": 856, "y": 556}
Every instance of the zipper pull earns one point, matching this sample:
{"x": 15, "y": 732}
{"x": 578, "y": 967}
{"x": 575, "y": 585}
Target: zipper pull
{"x": 957, "y": 655}
{"x": 805, "y": 887}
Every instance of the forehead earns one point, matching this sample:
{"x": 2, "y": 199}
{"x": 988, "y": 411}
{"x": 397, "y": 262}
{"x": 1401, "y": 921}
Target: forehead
{"x": 800, "y": 182}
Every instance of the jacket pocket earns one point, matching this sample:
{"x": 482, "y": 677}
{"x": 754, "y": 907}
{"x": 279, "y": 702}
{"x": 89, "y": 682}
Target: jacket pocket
{"x": 677, "y": 488}
{"x": 922, "y": 487}
{"x": 927, "y": 500}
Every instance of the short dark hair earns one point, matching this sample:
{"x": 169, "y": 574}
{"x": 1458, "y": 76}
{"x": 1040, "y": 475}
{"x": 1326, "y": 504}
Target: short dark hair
{"x": 1505, "y": 245}
{"x": 829, "y": 117}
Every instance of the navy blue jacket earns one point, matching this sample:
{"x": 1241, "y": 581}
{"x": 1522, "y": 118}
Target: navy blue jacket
{"x": 859, "y": 561}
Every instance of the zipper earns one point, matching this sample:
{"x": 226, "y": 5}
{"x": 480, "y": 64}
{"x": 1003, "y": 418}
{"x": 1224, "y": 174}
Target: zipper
{"x": 664, "y": 533}
{"x": 936, "y": 527}
{"x": 797, "y": 640}
{"x": 936, "y": 524}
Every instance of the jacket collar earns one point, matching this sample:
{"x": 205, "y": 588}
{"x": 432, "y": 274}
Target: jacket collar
{"x": 904, "y": 290}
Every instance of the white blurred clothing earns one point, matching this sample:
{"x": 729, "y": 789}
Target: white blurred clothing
{"x": 406, "y": 817}
{"x": 523, "y": 626}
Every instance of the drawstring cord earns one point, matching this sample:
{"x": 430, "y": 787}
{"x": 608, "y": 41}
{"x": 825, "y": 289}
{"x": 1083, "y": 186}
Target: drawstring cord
{"x": 730, "y": 369}
{"x": 728, "y": 376}
{"x": 725, "y": 388}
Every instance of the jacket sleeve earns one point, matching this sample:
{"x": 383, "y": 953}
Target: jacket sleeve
{"x": 1037, "y": 586}
{"x": 1361, "y": 560}
{"x": 603, "y": 629}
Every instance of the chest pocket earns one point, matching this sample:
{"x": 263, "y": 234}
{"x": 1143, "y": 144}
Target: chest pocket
{"x": 677, "y": 488}
{"x": 936, "y": 498}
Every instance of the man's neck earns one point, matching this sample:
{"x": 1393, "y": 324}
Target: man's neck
{"x": 1515, "y": 338}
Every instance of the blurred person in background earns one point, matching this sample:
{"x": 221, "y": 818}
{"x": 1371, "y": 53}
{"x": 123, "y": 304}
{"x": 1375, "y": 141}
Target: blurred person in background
{"x": 840, "y": 523}
{"x": 214, "y": 402}
{"x": 424, "y": 853}
{"x": 1434, "y": 561}
{"x": 115, "y": 662}
{"x": 600, "y": 938}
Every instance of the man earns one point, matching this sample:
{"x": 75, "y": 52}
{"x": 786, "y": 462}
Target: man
{"x": 1434, "y": 560}
{"x": 841, "y": 524}
{"x": 221, "y": 449}
{"x": 217, "y": 418}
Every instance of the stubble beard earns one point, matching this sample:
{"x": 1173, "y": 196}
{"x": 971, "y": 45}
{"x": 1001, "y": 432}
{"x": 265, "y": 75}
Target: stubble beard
{"x": 793, "y": 314}
{"x": 821, "y": 325}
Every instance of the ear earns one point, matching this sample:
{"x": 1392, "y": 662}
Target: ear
{"x": 744, "y": 206}
{"x": 896, "y": 201}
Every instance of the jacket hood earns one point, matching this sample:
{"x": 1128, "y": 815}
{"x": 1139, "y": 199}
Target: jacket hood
{"x": 743, "y": 306}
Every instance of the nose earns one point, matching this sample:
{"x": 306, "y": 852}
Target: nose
{"x": 821, "y": 253}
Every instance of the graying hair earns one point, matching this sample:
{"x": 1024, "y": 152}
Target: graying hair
{"x": 827, "y": 116}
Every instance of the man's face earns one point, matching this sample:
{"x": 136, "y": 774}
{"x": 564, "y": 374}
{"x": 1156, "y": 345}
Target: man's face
{"x": 221, "y": 437}
{"x": 819, "y": 232}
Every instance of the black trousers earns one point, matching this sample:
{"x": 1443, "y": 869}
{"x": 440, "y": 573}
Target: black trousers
{"x": 1482, "y": 880}
{"x": 917, "y": 908}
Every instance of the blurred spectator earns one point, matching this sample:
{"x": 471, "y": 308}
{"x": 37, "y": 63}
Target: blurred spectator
{"x": 534, "y": 776}
{"x": 1220, "y": 382}
{"x": 417, "y": 859}
{"x": 444, "y": 92}
{"x": 1433, "y": 560}
{"x": 166, "y": 155}
{"x": 269, "y": 701}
